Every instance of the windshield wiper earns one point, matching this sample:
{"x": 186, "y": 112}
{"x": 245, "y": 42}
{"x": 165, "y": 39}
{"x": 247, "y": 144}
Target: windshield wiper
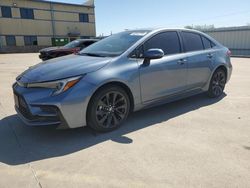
{"x": 92, "y": 54}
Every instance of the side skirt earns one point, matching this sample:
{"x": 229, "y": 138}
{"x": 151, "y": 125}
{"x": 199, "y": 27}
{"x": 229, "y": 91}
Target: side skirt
{"x": 168, "y": 99}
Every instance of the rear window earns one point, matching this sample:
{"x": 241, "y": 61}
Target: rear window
{"x": 192, "y": 41}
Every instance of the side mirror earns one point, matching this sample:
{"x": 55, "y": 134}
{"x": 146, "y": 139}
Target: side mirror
{"x": 154, "y": 53}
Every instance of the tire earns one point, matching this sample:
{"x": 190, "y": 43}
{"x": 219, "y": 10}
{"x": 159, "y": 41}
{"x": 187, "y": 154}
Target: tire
{"x": 217, "y": 84}
{"x": 108, "y": 109}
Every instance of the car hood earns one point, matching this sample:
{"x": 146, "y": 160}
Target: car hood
{"x": 63, "y": 67}
{"x": 50, "y": 49}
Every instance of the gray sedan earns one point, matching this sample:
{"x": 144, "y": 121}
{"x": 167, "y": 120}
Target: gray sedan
{"x": 120, "y": 74}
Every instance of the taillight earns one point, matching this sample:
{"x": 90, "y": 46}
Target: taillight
{"x": 229, "y": 53}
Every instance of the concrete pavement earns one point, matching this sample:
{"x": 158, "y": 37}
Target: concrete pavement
{"x": 195, "y": 142}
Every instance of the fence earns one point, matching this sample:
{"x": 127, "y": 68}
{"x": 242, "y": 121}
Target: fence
{"x": 237, "y": 39}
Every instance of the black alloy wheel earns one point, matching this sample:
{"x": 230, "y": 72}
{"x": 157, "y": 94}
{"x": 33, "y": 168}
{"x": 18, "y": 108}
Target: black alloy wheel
{"x": 217, "y": 83}
{"x": 108, "y": 109}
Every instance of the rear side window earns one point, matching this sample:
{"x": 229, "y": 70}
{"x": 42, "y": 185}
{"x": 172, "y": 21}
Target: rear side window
{"x": 167, "y": 41}
{"x": 192, "y": 41}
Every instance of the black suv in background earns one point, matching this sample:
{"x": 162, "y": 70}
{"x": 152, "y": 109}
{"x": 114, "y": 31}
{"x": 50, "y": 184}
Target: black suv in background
{"x": 70, "y": 48}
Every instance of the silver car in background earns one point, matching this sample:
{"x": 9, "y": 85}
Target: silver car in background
{"x": 120, "y": 74}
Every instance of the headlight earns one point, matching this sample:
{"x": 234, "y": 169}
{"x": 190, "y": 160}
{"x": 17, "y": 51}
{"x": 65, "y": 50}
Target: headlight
{"x": 59, "y": 86}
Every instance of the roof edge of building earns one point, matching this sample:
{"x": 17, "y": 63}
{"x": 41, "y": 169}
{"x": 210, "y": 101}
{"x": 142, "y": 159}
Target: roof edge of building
{"x": 62, "y": 3}
{"x": 235, "y": 28}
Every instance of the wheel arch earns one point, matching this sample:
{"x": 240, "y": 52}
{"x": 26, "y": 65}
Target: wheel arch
{"x": 119, "y": 84}
{"x": 221, "y": 66}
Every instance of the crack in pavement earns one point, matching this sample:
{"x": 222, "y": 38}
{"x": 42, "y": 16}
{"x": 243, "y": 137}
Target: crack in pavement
{"x": 22, "y": 148}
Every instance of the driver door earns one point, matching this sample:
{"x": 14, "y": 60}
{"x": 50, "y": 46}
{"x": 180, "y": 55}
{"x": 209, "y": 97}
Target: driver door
{"x": 165, "y": 76}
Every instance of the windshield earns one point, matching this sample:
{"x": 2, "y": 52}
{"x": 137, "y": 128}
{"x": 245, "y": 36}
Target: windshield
{"x": 114, "y": 45}
{"x": 72, "y": 44}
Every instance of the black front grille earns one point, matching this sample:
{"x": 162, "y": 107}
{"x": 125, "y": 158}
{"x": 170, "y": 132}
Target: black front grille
{"x": 24, "y": 109}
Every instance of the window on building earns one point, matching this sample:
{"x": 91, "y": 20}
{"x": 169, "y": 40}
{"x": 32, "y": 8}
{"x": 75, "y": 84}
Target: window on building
{"x": 10, "y": 40}
{"x": 192, "y": 41}
{"x": 167, "y": 41}
{"x": 6, "y": 12}
{"x": 30, "y": 40}
{"x": 27, "y": 13}
{"x": 83, "y": 17}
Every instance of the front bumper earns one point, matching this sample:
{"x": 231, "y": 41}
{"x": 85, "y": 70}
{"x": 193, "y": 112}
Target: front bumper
{"x": 43, "y": 56}
{"x": 37, "y": 107}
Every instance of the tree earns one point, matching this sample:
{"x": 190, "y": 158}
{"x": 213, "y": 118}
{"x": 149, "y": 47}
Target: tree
{"x": 200, "y": 27}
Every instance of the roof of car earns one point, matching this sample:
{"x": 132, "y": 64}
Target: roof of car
{"x": 156, "y": 30}
{"x": 86, "y": 40}
{"x": 162, "y": 28}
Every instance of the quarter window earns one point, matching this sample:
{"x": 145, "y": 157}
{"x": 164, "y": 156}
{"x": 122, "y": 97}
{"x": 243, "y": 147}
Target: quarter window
{"x": 6, "y": 12}
{"x": 10, "y": 40}
{"x": 83, "y": 17}
{"x": 138, "y": 52}
{"x": 167, "y": 41}
{"x": 192, "y": 41}
{"x": 27, "y": 13}
{"x": 207, "y": 43}
{"x": 30, "y": 40}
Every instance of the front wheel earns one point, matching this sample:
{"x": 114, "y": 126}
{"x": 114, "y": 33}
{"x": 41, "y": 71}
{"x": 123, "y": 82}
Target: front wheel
{"x": 217, "y": 84}
{"x": 108, "y": 109}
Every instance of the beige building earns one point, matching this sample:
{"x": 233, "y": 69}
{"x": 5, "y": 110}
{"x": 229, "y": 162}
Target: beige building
{"x": 28, "y": 25}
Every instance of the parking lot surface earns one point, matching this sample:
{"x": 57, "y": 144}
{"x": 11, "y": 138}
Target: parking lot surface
{"x": 195, "y": 142}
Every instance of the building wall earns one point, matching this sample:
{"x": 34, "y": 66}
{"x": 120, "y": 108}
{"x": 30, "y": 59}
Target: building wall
{"x": 59, "y": 20}
{"x": 237, "y": 39}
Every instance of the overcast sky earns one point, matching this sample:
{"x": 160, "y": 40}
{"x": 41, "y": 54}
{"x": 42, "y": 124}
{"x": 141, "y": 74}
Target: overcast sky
{"x": 117, "y": 15}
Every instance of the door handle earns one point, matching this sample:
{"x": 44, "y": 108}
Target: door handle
{"x": 182, "y": 61}
{"x": 210, "y": 55}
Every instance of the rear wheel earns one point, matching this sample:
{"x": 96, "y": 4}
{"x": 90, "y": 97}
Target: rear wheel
{"x": 108, "y": 109}
{"x": 217, "y": 83}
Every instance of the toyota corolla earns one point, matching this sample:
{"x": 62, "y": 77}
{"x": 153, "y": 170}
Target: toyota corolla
{"x": 132, "y": 70}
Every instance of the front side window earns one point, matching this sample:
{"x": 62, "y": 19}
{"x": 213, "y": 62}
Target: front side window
{"x": 116, "y": 44}
{"x": 30, "y": 40}
{"x": 192, "y": 41}
{"x": 167, "y": 41}
{"x": 27, "y": 13}
{"x": 83, "y": 17}
{"x": 10, "y": 40}
{"x": 85, "y": 44}
{"x": 6, "y": 12}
